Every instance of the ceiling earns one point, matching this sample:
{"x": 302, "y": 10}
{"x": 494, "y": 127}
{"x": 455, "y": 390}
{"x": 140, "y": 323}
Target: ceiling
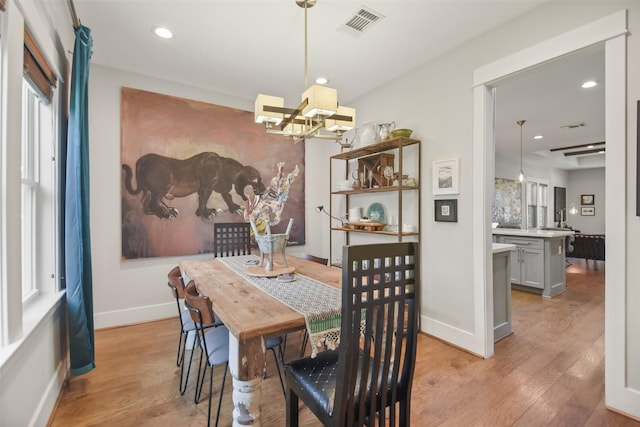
{"x": 242, "y": 48}
{"x": 551, "y": 100}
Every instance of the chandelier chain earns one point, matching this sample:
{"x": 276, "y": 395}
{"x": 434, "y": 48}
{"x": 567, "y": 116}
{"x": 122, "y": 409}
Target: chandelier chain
{"x": 306, "y": 69}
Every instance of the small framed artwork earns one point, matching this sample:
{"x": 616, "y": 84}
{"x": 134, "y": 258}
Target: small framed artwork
{"x": 446, "y": 176}
{"x": 446, "y": 210}
{"x": 587, "y": 199}
{"x": 588, "y": 211}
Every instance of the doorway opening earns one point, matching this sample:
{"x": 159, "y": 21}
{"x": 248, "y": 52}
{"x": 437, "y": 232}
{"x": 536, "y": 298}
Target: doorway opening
{"x": 611, "y": 32}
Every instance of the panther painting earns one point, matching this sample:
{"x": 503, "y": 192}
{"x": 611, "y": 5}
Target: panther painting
{"x": 160, "y": 177}
{"x": 187, "y": 164}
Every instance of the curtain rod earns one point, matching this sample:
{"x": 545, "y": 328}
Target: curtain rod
{"x": 74, "y": 15}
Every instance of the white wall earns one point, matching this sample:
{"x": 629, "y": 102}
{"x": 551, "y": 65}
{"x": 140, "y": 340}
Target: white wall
{"x": 587, "y": 181}
{"x": 436, "y": 100}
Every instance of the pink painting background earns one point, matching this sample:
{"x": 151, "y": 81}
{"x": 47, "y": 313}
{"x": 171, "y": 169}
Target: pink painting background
{"x": 180, "y": 128}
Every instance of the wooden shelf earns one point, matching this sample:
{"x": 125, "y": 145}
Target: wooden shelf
{"x": 385, "y": 145}
{"x": 385, "y": 232}
{"x": 377, "y": 190}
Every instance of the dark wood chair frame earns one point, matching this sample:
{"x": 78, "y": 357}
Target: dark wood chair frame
{"x": 369, "y": 377}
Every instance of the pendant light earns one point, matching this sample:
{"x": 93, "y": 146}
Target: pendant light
{"x": 522, "y": 176}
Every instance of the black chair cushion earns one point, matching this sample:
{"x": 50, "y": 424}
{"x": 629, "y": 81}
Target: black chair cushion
{"x": 316, "y": 379}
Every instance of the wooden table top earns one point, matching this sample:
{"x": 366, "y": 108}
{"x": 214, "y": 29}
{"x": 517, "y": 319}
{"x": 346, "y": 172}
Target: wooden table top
{"x": 247, "y": 311}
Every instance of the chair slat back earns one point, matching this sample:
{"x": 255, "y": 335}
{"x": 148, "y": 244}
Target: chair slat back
{"x": 379, "y": 332}
{"x": 231, "y": 239}
{"x": 175, "y": 282}
{"x": 199, "y": 306}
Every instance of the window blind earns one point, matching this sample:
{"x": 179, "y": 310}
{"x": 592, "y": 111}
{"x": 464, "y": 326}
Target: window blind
{"x": 36, "y": 68}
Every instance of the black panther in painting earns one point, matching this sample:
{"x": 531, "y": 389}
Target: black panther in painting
{"x": 160, "y": 177}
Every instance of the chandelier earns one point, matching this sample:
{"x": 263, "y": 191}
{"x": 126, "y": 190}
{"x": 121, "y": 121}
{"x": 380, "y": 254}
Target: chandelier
{"x": 317, "y": 116}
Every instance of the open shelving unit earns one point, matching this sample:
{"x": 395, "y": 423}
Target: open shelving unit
{"x": 382, "y": 153}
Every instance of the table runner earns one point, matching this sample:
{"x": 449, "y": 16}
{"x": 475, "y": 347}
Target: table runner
{"x": 319, "y": 303}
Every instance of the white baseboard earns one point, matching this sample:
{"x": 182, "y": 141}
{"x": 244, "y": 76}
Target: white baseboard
{"x": 133, "y": 315}
{"x": 49, "y": 398}
{"x": 455, "y": 336}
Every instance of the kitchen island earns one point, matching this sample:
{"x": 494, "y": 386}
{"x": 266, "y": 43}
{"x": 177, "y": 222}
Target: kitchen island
{"x": 538, "y": 260}
{"x": 501, "y": 290}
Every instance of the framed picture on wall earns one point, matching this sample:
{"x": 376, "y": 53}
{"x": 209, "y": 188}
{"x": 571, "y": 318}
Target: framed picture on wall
{"x": 587, "y": 199}
{"x": 446, "y": 176}
{"x": 446, "y": 210}
{"x": 588, "y": 211}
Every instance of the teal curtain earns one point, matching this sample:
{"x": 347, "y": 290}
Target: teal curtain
{"x": 77, "y": 241}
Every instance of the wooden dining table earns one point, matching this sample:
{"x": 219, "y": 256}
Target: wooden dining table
{"x": 252, "y": 316}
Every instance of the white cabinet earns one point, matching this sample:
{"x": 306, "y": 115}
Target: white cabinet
{"x": 527, "y": 261}
{"x": 532, "y": 261}
{"x": 501, "y": 291}
{"x": 537, "y": 264}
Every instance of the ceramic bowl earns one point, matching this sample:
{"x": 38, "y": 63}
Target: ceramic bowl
{"x": 401, "y": 132}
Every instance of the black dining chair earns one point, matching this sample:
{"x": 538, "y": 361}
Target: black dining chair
{"x": 231, "y": 239}
{"x": 367, "y": 380}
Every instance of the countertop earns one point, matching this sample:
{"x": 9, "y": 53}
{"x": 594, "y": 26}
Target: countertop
{"x": 534, "y": 232}
{"x": 502, "y": 247}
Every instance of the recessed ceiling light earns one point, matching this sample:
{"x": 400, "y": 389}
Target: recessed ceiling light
{"x": 589, "y": 84}
{"x": 538, "y": 137}
{"x": 322, "y": 80}
{"x": 589, "y": 146}
{"x": 162, "y": 32}
{"x": 601, "y": 151}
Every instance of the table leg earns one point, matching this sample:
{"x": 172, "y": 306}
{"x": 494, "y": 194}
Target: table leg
{"x": 247, "y": 363}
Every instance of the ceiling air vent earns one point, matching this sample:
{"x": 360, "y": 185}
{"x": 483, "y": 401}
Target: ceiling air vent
{"x": 361, "y": 21}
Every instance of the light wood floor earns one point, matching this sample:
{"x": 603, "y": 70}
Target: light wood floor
{"x": 550, "y": 372}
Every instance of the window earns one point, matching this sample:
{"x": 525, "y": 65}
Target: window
{"x": 537, "y": 202}
{"x": 29, "y": 179}
{"x": 37, "y": 195}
